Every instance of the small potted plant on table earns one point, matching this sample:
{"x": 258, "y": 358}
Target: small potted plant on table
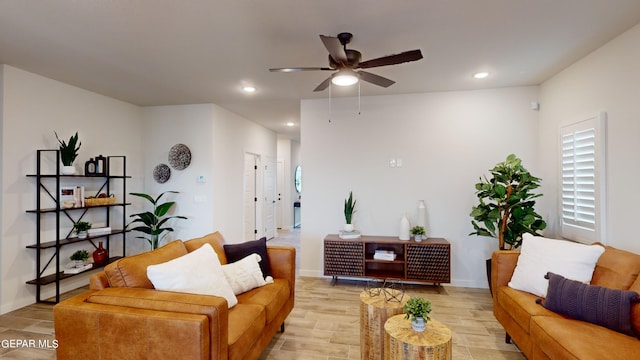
{"x": 81, "y": 228}
{"x": 417, "y": 309}
{"x": 80, "y": 257}
{"x": 418, "y": 233}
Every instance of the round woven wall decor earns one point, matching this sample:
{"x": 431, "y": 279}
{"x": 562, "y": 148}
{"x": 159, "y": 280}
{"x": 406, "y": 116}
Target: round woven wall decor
{"x": 161, "y": 173}
{"x": 179, "y": 156}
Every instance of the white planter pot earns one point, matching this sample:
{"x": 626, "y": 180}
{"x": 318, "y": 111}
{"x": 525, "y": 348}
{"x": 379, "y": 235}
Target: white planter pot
{"x": 68, "y": 170}
{"x": 82, "y": 235}
{"x": 348, "y": 227}
{"x": 418, "y": 238}
{"x": 79, "y": 263}
{"x": 419, "y": 325}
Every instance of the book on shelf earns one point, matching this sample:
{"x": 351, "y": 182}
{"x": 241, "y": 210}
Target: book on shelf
{"x": 71, "y": 196}
{"x": 384, "y": 254}
{"x": 349, "y": 234}
{"x": 77, "y": 270}
{"x": 99, "y": 231}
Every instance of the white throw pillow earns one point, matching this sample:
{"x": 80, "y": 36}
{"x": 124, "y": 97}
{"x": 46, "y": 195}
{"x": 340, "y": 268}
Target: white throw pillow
{"x": 198, "y": 272}
{"x": 245, "y": 274}
{"x": 540, "y": 255}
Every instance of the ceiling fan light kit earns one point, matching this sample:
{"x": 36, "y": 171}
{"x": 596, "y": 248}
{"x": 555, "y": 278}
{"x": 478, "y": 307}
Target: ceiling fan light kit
{"x": 344, "y": 61}
{"x": 345, "y": 77}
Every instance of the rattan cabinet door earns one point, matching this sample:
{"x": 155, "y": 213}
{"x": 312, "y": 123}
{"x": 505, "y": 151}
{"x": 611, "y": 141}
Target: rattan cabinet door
{"x": 343, "y": 258}
{"x": 428, "y": 263}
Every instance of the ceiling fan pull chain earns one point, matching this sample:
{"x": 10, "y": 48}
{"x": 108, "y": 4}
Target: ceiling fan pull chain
{"x": 330, "y": 103}
{"x": 358, "y": 97}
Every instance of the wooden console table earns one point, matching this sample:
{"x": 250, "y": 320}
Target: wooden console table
{"x": 425, "y": 261}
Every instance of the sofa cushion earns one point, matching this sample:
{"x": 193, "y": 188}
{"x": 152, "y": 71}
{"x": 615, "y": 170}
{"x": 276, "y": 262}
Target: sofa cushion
{"x": 616, "y": 269}
{"x": 244, "y": 275}
{"x": 610, "y": 308}
{"x": 216, "y": 240}
{"x": 131, "y": 271}
{"x": 237, "y": 252}
{"x": 271, "y": 296}
{"x": 520, "y": 305}
{"x": 246, "y": 324}
{"x": 563, "y": 338}
{"x": 198, "y": 272}
{"x": 540, "y": 255}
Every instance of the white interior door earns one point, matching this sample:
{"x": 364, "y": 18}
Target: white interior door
{"x": 280, "y": 194}
{"x": 250, "y": 196}
{"x": 269, "y": 198}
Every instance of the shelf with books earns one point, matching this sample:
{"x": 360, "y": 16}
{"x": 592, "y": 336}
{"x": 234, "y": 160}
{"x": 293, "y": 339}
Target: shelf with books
{"x": 60, "y": 205}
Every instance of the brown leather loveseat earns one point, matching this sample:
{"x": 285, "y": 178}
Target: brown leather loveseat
{"x": 543, "y": 334}
{"x": 122, "y": 316}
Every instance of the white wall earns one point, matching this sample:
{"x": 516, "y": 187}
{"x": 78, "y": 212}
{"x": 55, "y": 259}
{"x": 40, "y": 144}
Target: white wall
{"x": 445, "y": 140}
{"x": 33, "y": 108}
{"x": 606, "y": 80}
{"x": 218, "y": 140}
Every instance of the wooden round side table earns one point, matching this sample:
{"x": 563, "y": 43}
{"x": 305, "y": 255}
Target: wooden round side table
{"x": 402, "y": 342}
{"x": 374, "y": 311}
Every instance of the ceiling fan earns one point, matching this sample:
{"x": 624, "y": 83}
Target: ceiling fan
{"x": 344, "y": 61}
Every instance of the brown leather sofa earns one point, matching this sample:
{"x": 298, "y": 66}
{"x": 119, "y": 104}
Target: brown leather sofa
{"x": 123, "y": 317}
{"x": 543, "y": 334}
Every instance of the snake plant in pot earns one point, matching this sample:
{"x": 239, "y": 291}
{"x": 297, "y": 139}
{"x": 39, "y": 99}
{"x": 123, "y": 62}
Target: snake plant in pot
{"x": 68, "y": 153}
{"x": 153, "y": 223}
{"x": 349, "y": 210}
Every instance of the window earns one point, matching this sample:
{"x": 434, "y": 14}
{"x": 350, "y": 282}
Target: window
{"x": 583, "y": 179}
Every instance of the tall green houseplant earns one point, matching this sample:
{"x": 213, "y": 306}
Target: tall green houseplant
{"x": 349, "y": 208}
{"x": 506, "y": 204}
{"x": 153, "y": 222}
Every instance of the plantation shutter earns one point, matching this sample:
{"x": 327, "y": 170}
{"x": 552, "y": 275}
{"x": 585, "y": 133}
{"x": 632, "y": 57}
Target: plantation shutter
{"x": 582, "y": 180}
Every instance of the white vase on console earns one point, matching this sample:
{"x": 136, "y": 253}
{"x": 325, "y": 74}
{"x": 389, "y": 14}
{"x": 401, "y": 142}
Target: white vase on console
{"x": 405, "y": 228}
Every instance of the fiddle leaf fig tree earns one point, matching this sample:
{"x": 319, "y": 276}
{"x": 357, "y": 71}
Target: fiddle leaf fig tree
{"x": 506, "y": 204}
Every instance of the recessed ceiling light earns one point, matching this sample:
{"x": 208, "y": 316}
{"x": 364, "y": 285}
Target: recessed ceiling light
{"x": 249, "y": 89}
{"x": 291, "y": 123}
{"x": 481, "y": 75}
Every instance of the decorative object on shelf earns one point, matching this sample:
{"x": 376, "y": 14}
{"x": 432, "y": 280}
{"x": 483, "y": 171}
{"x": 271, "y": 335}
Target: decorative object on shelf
{"x": 349, "y": 210}
{"x": 100, "y": 199}
{"x": 506, "y": 208}
{"x": 417, "y": 309}
{"x": 96, "y": 166}
{"x": 405, "y": 226}
{"x": 353, "y": 234}
{"x": 68, "y": 153}
{"x": 90, "y": 167}
{"x": 71, "y": 196}
{"x": 81, "y": 228}
{"x": 421, "y": 214}
{"x": 79, "y": 257}
{"x": 100, "y": 256}
{"x": 418, "y": 233}
{"x": 154, "y": 221}
{"x": 393, "y": 290}
{"x": 179, "y": 156}
{"x": 161, "y": 173}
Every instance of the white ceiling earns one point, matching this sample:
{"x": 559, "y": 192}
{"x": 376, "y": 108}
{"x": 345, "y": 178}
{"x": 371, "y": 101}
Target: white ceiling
{"x": 166, "y": 52}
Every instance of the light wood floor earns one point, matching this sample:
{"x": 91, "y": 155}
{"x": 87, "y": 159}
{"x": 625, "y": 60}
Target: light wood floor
{"x": 323, "y": 325}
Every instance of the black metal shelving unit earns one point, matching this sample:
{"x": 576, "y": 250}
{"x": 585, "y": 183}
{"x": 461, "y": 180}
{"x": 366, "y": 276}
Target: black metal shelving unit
{"x": 48, "y": 252}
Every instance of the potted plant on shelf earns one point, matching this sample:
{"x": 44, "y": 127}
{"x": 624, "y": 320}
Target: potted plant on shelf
{"x": 68, "y": 153}
{"x": 506, "y": 205}
{"x": 153, "y": 222}
{"x": 79, "y": 257}
{"x": 349, "y": 210}
{"x": 418, "y": 233}
{"x": 81, "y": 228}
{"x": 417, "y": 309}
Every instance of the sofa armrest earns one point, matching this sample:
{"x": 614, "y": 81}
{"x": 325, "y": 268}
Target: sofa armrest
{"x": 503, "y": 263}
{"x": 136, "y": 316}
{"x": 283, "y": 263}
{"x": 98, "y": 281}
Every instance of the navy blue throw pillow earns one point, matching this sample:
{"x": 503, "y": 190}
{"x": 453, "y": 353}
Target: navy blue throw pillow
{"x": 237, "y": 252}
{"x": 610, "y": 308}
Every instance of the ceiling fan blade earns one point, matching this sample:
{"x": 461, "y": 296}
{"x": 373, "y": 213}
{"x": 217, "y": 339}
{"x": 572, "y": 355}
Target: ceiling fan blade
{"x": 403, "y": 57}
{"x": 300, "y": 69}
{"x": 323, "y": 85}
{"x": 375, "y": 79}
{"x": 335, "y": 48}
